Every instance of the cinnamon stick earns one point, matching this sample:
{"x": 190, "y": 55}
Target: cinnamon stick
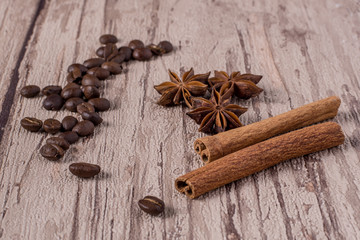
{"x": 214, "y": 147}
{"x": 258, "y": 157}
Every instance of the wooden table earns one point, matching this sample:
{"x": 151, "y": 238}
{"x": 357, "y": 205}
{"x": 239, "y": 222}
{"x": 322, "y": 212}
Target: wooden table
{"x": 306, "y": 50}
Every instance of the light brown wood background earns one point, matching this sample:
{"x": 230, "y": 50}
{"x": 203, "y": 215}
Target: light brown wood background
{"x": 306, "y": 50}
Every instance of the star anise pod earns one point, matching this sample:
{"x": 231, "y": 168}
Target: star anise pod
{"x": 240, "y": 85}
{"x": 176, "y": 91}
{"x": 216, "y": 114}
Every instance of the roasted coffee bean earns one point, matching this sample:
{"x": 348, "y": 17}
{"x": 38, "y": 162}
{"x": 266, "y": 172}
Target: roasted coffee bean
{"x": 112, "y": 67}
{"x": 94, "y": 62}
{"x": 84, "y": 170}
{"x": 100, "y": 52}
{"x": 127, "y": 52}
{"x": 100, "y": 104}
{"x": 75, "y": 66}
{"x": 99, "y": 72}
{"x": 71, "y": 79}
{"x": 119, "y": 58}
{"x": 58, "y": 141}
{"x": 108, "y": 38}
{"x": 90, "y": 80}
{"x": 93, "y": 117}
{"x": 166, "y": 46}
{"x": 110, "y": 50}
{"x": 142, "y": 54}
{"x": 52, "y": 152}
{"x": 72, "y": 103}
{"x": 70, "y": 136}
{"x": 91, "y": 92}
{"x": 30, "y": 91}
{"x": 52, "y": 126}
{"x": 85, "y": 107}
{"x": 72, "y": 85}
{"x": 68, "y": 123}
{"x": 71, "y": 93}
{"x": 151, "y": 205}
{"x": 155, "y": 49}
{"x": 53, "y": 102}
{"x": 84, "y": 128}
{"x": 136, "y": 44}
{"x": 51, "y": 89}
{"x": 31, "y": 124}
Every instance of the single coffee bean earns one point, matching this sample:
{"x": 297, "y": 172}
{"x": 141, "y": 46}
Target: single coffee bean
{"x": 136, "y": 44}
{"x": 31, "y": 124}
{"x": 94, "y": 62}
{"x": 110, "y": 50}
{"x": 68, "y": 123}
{"x": 84, "y": 128}
{"x": 71, "y": 93}
{"x": 72, "y": 85}
{"x": 108, "y": 38}
{"x": 53, "y": 102}
{"x": 155, "y": 49}
{"x": 100, "y": 104}
{"x": 84, "y": 170}
{"x": 91, "y": 92}
{"x": 51, "y": 89}
{"x": 142, "y": 54}
{"x": 72, "y": 103}
{"x": 52, "y": 152}
{"x": 166, "y": 46}
{"x": 70, "y": 136}
{"x": 30, "y": 91}
{"x": 52, "y": 126}
{"x": 70, "y": 78}
{"x": 112, "y": 67}
{"x": 85, "y": 107}
{"x": 99, "y": 72}
{"x": 127, "y": 52}
{"x": 119, "y": 58}
{"x": 100, "y": 52}
{"x": 151, "y": 205}
{"x": 93, "y": 117}
{"x": 75, "y": 66}
{"x": 58, "y": 141}
{"x": 90, "y": 80}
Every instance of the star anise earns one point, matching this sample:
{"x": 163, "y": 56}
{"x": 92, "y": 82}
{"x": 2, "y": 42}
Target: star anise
{"x": 240, "y": 85}
{"x": 216, "y": 114}
{"x": 176, "y": 91}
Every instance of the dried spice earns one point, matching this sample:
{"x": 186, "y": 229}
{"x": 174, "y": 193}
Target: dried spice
{"x": 217, "y": 114}
{"x": 176, "y": 91}
{"x": 240, "y": 85}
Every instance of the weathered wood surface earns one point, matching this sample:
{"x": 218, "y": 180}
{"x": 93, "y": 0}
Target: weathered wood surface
{"x": 306, "y": 50}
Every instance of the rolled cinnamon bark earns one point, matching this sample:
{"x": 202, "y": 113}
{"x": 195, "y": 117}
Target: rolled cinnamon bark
{"x": 258, "y": 157}
{"x": 214, "y": 147}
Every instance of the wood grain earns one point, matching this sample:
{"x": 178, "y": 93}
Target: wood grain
{"x": 306, "y": 51}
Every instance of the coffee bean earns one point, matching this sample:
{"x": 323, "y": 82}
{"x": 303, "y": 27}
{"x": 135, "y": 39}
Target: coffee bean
{"x": 52, "y": 152}
{"x": 112, "y": 67}
{"x": 99, "y": 72}
{"x": 76, "y": 66}
{"x": 58, "y": 141}
{"x": 91, "y": 92}
{"x": 100, "y": 104}
{"x": 30, "y": 91}
{"x": 90, "y": 80}
{"x": 71, "y": 79}
{"x": 71, "y": 93}
{"x": 100, "y": 52}
{"x": 72, "y": 103}
{"x": 31, "y": 124}
{"x": 110, "y": 50}
{"x": 72, "y": 85}
{"x": 76, "y": 73}
{"x": 151, "y": 205}
{"x": 142, "y": 54}
{"x": 93, "y": 117}
{"x": 127, "y": 52}
{"x": 136, "y": 44}
{"x": 94, "y": 62}
{"x": 52, "y": 126}
{"x": 84, "y": 128}
{"x": 108, "y": 38}
{"x": 51, "y": 89}
{"x": 119, "y": 58}
{"x": 155, "y": 49}
{"x": 70, "y": 136}
{"x": 85, "y": 107}
{"x": 84, "y": 170}
{"x": 68, "y": 123}
{"x": 166, "y": 46}
{"x": 53, "y": 102}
